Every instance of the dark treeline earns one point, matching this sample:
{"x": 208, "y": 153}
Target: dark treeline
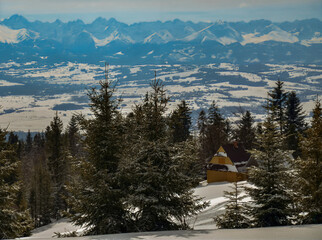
{"x": 113, "y": 173}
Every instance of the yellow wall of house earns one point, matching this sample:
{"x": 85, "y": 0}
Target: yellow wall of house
{"x": 220, "y": 176}
{"x": 221, "y": 160}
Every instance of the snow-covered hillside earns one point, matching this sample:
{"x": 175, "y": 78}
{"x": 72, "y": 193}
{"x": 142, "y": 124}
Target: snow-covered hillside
{"x": 203, "y": 224}
{"x": 8, "y": 35}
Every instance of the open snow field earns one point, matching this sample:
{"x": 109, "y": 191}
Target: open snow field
{"x": 203, "y": 224}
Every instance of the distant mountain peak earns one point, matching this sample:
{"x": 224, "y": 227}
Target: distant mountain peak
{"x": 17, "y": 17}
{"x": 16, "y": 21}
{"x": 58, "y": 21}
{"x": 100, "y": 20}
{"x": 112, "y": 20}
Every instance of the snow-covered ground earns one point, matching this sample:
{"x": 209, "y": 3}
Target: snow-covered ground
{"x": 305, "y": 232}
{"x": 203, "y": 224}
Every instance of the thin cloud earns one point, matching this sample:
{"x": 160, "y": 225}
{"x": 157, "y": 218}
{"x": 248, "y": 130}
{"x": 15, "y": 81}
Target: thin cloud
{"x": 74, "y": 6}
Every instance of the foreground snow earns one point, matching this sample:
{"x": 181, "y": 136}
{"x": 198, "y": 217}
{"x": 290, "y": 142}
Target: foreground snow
{"x": 307, "y": 232}
{"x": 48, "y": 231}
{"x": 203, "y": 224}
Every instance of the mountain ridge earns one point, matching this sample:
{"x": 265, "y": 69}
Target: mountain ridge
{"x": 180, "y": 41}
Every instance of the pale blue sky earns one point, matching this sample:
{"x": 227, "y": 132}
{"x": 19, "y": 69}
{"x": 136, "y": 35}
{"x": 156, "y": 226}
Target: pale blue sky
{"x": 130, "y": 11}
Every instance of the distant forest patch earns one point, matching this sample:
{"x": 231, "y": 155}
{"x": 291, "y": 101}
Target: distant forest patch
{"x": 67, "y": 106}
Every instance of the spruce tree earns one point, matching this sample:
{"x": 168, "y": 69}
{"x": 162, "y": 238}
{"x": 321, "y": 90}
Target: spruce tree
{"x": 28, "y": 145}
{"x": 73, "y": 136}
{"x": 38, "y": 182}
{"x": 13, "y": 138}
{"x": 160, "y": 194}
{"x": 57, "y": 163}
{"x": 97, "y": 200}
{"x": 294, "y": 123}
{"x": 180, "y": 122}
{"x": 308, "y": 176}
{"x": 202, "y": 128}
{"x": 235, "y": 215}
{"x": 41, "y": 192}
{"x": 245, "y": 131}
{"x": 276, "y": 105}
{"x": 217, "y": 130}
{"x": 270, "y": 193}
{"x": 14, "y": 218}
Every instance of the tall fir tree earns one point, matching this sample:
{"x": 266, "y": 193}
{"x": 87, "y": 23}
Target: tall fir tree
{"x": 217, "y": 130}
{"x": 308, "y": 176}
{"x": 276, "y": 105}
{"x": 156, "y": 169}
{"x": 245, "y": 131}
{"x": 97, "y": 201}
{"x": 57, "y": 163}
{"x": 235, "y": 215}
{"x": 28, "y": 145}
{"x": 14, "y": 218}
{"x": 72, "y": 133}
{"x": 41, "y": 192}
{"x": 294, "y": 123}
{"x": 202, "y": 128}
{"x": 270, "y": 192}
{"x": 180, "y": 122}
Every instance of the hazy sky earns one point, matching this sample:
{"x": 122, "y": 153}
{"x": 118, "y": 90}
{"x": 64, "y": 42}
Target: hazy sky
{"x": 130, "y": 11}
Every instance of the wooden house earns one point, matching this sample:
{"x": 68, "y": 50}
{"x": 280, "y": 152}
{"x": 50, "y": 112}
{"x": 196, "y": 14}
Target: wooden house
{"x": 228, "y": 164}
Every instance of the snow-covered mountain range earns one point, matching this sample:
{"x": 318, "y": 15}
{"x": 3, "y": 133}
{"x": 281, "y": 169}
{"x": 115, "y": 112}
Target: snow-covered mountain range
{"x": 162, "y": 42}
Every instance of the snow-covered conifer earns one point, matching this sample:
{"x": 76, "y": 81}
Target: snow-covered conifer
{"x": 236, "y": 212}
{"x": 270, "y": 195}
{"x": 14, "y": 219}
{"x": 308, "y": 171}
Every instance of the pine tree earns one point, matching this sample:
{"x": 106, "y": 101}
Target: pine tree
{"x": 180, "y": 122}
{"x": 245, "y": 131}
{"x": 235, "y": 215}
{"x": 41, "y": 192}
{"x": 309, "y": 170}
{"x": 276, "y": 105}
{"x": 159, "y": 188}
{"x": 97, "y": 200}
{"x": 58, "y": 165}
{"x": 217, "y": 130}
{"x": 28, "y": 145}
{"x": 73, "y": 136}
{"x": 39, "y": 140}
{"x": 14, "y": 218}
{"x": 37, "y": 181}
{"x": 295, "y": 123}
{"x": 13, "y": 138}
{"x": 202, "y": 128}
{"x": 270, "y": 194}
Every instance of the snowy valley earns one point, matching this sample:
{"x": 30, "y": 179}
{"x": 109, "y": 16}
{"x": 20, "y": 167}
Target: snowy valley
{"x": 31, "y": 92}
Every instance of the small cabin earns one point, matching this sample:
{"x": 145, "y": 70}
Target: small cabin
{"x": 228, "y": 164}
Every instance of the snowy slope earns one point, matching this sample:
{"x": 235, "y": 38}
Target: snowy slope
{"x": 203, "y": 225}
{"x": 306, "y": 232}
{"x": 8, "y": 35}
